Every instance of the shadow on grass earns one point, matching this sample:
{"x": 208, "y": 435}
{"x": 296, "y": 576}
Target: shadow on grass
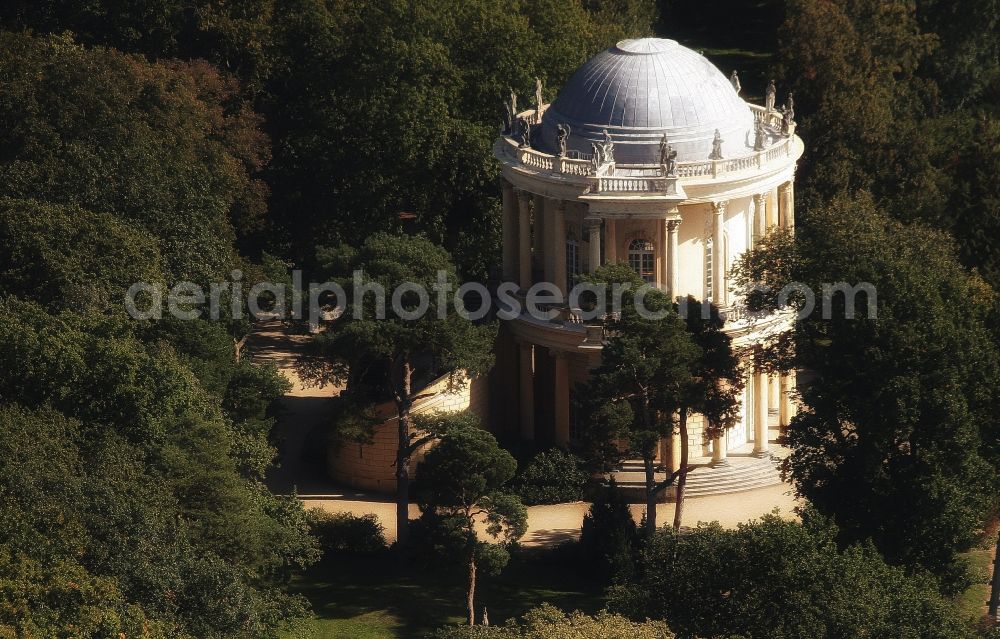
{"x": 374, "y": 596}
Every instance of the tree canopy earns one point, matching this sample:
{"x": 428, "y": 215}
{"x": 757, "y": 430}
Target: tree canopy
{"x": 896, "y": 437}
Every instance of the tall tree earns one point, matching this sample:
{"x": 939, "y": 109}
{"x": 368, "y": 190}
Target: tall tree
{"x": 896, "y": 438}
{"x": 713, "y": 388}
{"x": 392, "y": 354}
{"x": 852, "y": 66}
{"x": 464, "y": 480}
{"x": 646, "y": 366}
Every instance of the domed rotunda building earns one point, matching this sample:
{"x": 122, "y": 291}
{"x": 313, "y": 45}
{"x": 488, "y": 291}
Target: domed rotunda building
{"x": 650, "y": 157}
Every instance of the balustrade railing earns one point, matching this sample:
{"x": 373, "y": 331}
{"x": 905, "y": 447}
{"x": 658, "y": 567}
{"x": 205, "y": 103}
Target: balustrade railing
{"x": 579, "y": 165}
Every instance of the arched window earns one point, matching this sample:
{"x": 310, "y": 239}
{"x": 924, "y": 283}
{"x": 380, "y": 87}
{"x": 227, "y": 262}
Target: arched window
{"x": 640, "y": 258}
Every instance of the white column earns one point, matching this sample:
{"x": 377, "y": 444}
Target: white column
{"x": 558, "y": 219}
{"x": 610, "y": 241}
{"x": 760, "y": 217}
{"x": 527, "y": 388}
{"x": 673, "y": 461}
{"x": 543, "y": 209}
{"x": 772, "y": 208}
{"x": 524, "y": 240}
{"x": 760, "y": 441}
{"x": 673, "y": 258}
{"x": 509, "y": 234}
{"x": 718, "y": 254}
{"x": 561, "y": 398}
{"x": 720, "y": 451}
{"x": 786, "y": 202}
{"x": 595, "y": 244}
{"x": 784, "y": 403}
{"x": 538, "y": 245}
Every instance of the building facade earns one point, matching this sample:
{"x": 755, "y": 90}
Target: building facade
{"x": 650, "y": 157}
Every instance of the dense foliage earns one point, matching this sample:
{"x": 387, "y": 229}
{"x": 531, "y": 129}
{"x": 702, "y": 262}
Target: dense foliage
{"x": 899, "y": 98}
{"x": 347, "y": 533}
{"x": 552, "y": 476}
{"x": 897, "y": 439}
{"x": 133, "y": 452}
{"x": 776, "y": 579}
{"x": 395, "y": 104}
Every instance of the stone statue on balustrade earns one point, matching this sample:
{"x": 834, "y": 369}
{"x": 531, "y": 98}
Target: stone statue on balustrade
{"x": 508, "y": 119}
{"x": 734, "y": 79}
{"x": 769, "y": 96}
{"x": 786, "y": 121}
{"x": 538, "y": 100}
{"x": 790, "y": 106}
{"x": 716, "y": 147}
{"x": 760, "y": 136}
{"x": 607, "y": 148}
{"x": 595, "y": 158}
{"x": 668, "y": 158}
{"x": 524, "y": 126}
{"x": 562, "y": 135}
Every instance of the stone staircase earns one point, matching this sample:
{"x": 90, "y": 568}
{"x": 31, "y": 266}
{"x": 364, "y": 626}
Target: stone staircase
{"x": 740, "y": 473}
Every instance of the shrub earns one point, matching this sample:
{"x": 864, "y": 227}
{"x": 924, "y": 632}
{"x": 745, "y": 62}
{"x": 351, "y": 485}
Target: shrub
{"x": 778, "y": 579}
{"x": 609, "y": 537}
{"x": 346, "y": 532}
{"x": 551, "y": 477}
{"x": 548, "y": 622}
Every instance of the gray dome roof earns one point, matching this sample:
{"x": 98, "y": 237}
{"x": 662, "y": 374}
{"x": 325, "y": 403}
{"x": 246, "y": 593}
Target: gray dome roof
{"x": 641, "y": 89}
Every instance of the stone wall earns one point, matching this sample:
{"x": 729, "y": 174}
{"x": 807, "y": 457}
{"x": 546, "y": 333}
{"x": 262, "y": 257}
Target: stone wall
{"x": 371, "y": 466}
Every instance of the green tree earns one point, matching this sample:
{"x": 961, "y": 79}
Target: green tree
{"x": 896, "y": 438}
{"x": 68, "y": 258}
{"x": 393, "y": 357}
{"x": 159, "y": 146}
{"x": 646, "y": 369}
{"x": 783, "y": 580}
{"x": 463, "y": 480}
{"x": 966, "y": 63}
{"x": 156, "y": 502}
{"x": 712, "y": 389}
{"x": 609, "y": 540}
{"x": 852, "y": 66}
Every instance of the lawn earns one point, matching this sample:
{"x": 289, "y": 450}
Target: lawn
{"x": 972, "y": 603}
{"x": 356, "y": 598}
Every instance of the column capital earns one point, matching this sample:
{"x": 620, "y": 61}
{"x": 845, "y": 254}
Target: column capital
{"x": 673, "y": 225}
{"x": 759, "y": 199}
{"x": 719, "y": 208}
{"x": 524, "y": 196}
